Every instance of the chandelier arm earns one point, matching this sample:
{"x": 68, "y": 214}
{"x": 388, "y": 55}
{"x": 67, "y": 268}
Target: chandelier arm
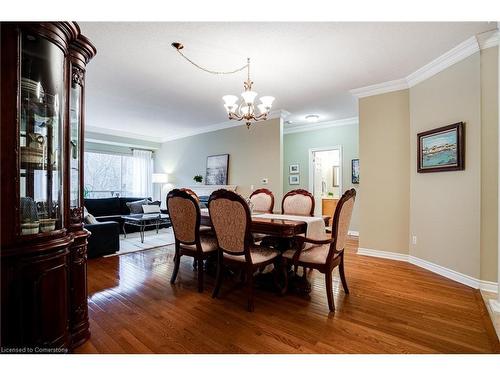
{"x": 178, "y": 48}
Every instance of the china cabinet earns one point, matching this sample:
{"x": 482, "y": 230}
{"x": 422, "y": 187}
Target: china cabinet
{"x": 43, "y": 243}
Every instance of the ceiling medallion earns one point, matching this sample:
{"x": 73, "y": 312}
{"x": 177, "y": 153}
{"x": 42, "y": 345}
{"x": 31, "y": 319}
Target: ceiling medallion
{"x": 246, "y": 109}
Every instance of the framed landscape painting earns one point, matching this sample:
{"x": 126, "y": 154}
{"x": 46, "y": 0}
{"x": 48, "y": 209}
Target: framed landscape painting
{"x": 217, "y": 169}
{"x": 355, "y": 171}
{"x": 441, "y": 149}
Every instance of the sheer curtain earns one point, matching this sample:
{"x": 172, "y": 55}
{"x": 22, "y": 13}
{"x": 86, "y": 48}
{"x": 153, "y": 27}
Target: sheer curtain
{"x": 143, "y": 171}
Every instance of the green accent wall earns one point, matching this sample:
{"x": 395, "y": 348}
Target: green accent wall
{"x": 296, "y": 148}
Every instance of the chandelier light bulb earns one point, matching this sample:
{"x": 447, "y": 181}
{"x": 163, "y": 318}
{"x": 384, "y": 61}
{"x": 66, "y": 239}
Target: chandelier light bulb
{"x": 263, "y": 109}
{"x": 230, "y": 100}
{"x": 267, "y": 101}
{"x": 249, "y": 96}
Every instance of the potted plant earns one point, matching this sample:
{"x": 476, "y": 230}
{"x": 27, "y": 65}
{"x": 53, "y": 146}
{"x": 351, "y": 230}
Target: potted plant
{"x": 198, "y": 179}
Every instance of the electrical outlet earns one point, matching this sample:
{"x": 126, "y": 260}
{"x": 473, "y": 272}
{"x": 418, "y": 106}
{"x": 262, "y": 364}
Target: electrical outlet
{"x": 414, "y": 240}
{"x": 264, "y": 181}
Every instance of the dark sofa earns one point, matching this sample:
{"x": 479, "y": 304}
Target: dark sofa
{"x": 104, "y": 238}
{"x": 111, "y": 209}
{"x": 105, "y": 235}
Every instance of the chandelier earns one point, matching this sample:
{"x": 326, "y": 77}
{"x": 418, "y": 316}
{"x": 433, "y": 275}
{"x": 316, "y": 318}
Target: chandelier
{"x": 246, "y": 109}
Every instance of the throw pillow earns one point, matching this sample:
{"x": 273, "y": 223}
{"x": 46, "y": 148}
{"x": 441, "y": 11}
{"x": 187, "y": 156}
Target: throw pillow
{"x": 85, "y": 213}
{"x": 150, "y": 209}
{"x": 90, "y": 219}
{"x": 136, "y": 207}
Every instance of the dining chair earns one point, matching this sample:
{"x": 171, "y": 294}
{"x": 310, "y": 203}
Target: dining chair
{"x": 298, "y": 202}
{"x": 262, "y": 200}
{"x": 192, "y": 193}
{"x": 231, "y": 220}
{"x": 205, "y": 229}
{"x": 327, "y": 254}
{"x": 184, "y": 214}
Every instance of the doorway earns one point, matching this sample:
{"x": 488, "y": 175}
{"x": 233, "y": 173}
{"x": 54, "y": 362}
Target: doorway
{"x": 325, "y": 178}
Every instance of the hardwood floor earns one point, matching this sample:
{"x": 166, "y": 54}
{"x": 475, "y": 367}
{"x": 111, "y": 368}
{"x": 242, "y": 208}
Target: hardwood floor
{"x": 393, "y": 307}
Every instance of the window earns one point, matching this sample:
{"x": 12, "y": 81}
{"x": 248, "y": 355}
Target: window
{"x": 109, "y": 175}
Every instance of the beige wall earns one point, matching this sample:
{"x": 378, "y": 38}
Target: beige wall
{"x": 489, "y": 163}
{"x": 384, "y": 158}
{"x": 254, "y": 154}
{"x": 445, "y": 207}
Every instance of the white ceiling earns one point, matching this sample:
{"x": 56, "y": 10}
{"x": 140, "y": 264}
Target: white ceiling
{"x": 138, "y": 85}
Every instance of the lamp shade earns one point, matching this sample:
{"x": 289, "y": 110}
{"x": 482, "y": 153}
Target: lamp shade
{"x": 230, "y": 100}
{"x": 249, "y": 96}
{"x": 267, "y": 101}
{"x": 160, "y": 178}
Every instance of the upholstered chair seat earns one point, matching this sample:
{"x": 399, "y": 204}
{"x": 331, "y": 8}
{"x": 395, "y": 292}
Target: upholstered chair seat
{"x": 315, "y": 254}
{"x": 258, "y": 254}
{"x": 231, "y": 220}
{"x": 190, "y": 240}
{"x": 208, "y": 244}
{"x": 324, "y": 255}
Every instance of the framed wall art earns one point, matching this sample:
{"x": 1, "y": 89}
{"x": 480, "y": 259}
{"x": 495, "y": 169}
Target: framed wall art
{"x": 217, "y": 166}
{"x": 355, "y": 171}
{"x": 294, "y": 180}
{"x": 441, "y": 149}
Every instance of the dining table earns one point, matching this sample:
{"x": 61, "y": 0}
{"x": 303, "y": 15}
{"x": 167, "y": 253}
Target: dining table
{"x": 281, "y": 230}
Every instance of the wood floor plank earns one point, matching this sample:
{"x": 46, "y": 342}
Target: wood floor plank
{"x": 393, "y": 307}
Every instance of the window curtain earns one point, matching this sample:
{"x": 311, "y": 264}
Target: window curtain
{"x": 143, "y": 172}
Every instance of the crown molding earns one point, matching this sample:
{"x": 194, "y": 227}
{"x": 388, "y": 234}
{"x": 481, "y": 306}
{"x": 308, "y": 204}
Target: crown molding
{"x": 290, "y": 129}
{"x": 122, "y": 134}
{"x": 488, "y": 39}
{"x": 380, "y": 88}
{"x": 454, "y": 55}
{"x": 279, "y": 113}
{"x": 449, "y": 58}
{"x": 123, "y": 144}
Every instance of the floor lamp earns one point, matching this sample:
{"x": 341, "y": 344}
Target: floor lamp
{"x": 160, "y": 179}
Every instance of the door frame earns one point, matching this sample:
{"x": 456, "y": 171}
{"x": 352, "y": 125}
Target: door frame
{"x": 311, "y": 166}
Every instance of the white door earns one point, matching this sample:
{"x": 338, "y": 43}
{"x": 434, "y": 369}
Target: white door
{"x": 325, "y": 177}
{"x": 318, "y": 181}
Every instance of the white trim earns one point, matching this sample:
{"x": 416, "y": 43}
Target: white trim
{"x": 495, "y": 306}
{"x": 446, "y": 272}
{"x": 380, "y": 88}
{"x": 459, "y": 277}
{"x": 290, "y": 129}
{"x": 383, "y": 254}
{"x": 354, "y": 233}
{"x": 279, "y": 113}
{"x": 122, "y": 144}
{"x": 488, "y": 39}
{"x": 122, "y": 134}
{"x": 488, "y": 286}
{"x": 449, "y": 58}
{"x": 454, "y": 55}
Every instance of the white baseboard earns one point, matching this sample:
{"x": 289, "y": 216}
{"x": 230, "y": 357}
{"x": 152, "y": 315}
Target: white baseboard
{"x": 495, "y": 305}
{"x": 383, "y": 254}
{"x": 354, "y": 233}
{"x": 488, "y": 286}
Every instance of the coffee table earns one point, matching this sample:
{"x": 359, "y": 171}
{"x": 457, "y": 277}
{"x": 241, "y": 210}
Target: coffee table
{"x": 145, "y": 220}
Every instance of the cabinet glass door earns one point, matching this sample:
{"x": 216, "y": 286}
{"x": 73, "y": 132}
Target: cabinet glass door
{"x": 40, "y": 134}
{"x": 75, "y": 141}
